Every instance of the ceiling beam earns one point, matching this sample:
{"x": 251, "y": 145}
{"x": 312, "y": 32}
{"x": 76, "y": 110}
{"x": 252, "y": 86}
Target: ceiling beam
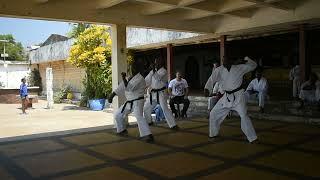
{"x": 270, "y": 3}
{"x": 40, "y": 1}
{"x": 156, "y": 7}
{"x": 189, "y": 2}
{"x": 103, "y": 4}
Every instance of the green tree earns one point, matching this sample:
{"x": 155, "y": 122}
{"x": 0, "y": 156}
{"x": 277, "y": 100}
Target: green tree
{"x": 13, "y": 49}
{"x": 77, "y": 29}
{"x": 92, "y": 51}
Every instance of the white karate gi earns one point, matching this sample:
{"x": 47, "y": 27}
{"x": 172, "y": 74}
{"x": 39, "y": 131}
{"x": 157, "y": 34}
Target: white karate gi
{"x": 231, "y": 80}
{"x": 134, "y": 90}
{"x": 261, "y": 87}
{"x": 294, "y": 75}
{"x": 158, "y": 80}
{"x": 212, "y": 101}
{"x": 310, "y": 96}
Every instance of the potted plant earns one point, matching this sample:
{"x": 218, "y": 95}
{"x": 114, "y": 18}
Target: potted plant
{"x": 92, "y": 51}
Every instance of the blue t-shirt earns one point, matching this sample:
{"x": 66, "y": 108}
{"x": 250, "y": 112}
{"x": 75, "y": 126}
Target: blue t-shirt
{"x": 23, "y": 90}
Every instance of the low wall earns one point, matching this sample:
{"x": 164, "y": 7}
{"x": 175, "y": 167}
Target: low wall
{"x": 9, "y": 96}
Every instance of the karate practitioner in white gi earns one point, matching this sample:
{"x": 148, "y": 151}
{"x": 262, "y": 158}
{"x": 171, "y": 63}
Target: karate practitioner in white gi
{"x": 230, "y": 77}
{"x": 217, "y": 93}
{"x": 213, "y": 90}
{"x": 310, "y": 91}
{"x": 157, "y": 81}
{"x": 257, "y": 89}
{"x": 294, "y": 76}
{"x": 134, "y": 89}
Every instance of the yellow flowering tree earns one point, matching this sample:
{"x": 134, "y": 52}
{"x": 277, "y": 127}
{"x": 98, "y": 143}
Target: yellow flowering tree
{"x": 92, "y": 51}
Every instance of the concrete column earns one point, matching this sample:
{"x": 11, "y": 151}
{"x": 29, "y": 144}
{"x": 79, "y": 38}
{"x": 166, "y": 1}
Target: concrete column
{"x": 118, "y": 59}
{"x": 169, "y": 61}
{"x": 303, "y": 61}
{"x": 49, "y": 85}
{"x": 223, "y": 40}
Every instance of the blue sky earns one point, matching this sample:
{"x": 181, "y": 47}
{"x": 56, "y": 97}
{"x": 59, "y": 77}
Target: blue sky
{"x": 30, "y": 32}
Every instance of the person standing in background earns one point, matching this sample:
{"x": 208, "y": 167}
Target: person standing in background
{"x": 294, "y": 76}
{"x": 24, "y": 95}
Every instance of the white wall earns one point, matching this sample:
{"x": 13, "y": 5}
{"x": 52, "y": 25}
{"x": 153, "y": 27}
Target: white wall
{"x": 12, "y": 75}
{"x": 144, "y": 36}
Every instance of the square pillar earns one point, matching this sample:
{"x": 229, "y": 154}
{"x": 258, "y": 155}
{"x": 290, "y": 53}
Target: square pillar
{"x": 304, "y": 63}
{"x": 223, "y": 40}
{"x": 118, "y": 59}
{"x": 170, "y": 61}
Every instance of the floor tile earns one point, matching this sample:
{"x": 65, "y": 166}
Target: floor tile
{"x": 5, "y": 175}
{"x": 185, "y": 124}
{"x": 134, "y": 132}
{"x": 128, "y": 149}
{"x": 293, "y": 161}
{"x": 31, "y": 147}
{"x": 224, "y": 130}
{"x": 240, "y": 172}
{"x": 89, "y": 139}
{"x": 190, "y": 124}
{"x": 181, "y": 139}
{"x": 259, "y": 124}
{"x": 278, "y": 138}
{"x": 232, "y": 149}
{"x": 104, "y": 173}
{"x": 177, "y": 164}
{"x": 300, "y": 129}
{"x": 205, "y": 120}
{"x": 46, "y": 164}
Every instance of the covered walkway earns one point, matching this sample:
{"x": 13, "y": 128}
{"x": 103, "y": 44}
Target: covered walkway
{"x": 286, "y": 151}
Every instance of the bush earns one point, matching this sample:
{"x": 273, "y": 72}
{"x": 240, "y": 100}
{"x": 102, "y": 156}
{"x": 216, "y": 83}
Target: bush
{"x": 35, "y": 79}
{"x": 61, "y": 94}
{"x": 92, "y": 51}
{"x": 69, "y": 96}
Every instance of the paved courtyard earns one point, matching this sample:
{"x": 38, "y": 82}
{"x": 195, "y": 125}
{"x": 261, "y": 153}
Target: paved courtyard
{"x": 285, "y": 151}
{"x": 64, "y": 118}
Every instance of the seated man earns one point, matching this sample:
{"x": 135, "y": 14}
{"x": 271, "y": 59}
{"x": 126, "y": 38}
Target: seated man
{"x": 257, "y": 89}
{"x": 309, "y": 92}
{"x": 178, "y": 89}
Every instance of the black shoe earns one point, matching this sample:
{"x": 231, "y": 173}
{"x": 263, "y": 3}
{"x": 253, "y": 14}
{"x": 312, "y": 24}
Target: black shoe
{"x": 151, "y": 123}
{"x": 150, "y": 138}
{"x": 176, "y": 127}
{"x": 123, "y": 133}
{"x": 255, "y": 142}
{"x": 213, "y": 137}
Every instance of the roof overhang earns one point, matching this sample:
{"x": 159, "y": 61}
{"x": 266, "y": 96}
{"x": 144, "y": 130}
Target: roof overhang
{"x": 209, "y": 16}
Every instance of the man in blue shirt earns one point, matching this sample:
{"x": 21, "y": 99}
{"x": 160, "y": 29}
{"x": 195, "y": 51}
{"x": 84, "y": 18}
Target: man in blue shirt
{"x": 24, "y": 95}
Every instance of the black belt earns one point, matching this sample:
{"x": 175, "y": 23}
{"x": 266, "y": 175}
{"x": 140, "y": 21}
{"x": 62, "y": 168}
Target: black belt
{"x": 232, "y": 92}
{"x": 131, "y": 103}
{"x": 157, "y": 91}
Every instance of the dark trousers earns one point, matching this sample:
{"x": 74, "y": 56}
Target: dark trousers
{"x": 179, "y": 100}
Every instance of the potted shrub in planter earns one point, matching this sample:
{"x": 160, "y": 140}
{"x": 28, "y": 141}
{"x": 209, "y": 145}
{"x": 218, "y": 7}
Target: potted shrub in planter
{"x": 92, "y": 51}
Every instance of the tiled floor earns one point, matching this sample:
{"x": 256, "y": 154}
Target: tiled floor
{"x": 285, "y": 151}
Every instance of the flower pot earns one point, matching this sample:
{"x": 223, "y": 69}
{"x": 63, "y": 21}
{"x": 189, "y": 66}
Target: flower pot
{"x": 97, "y": 104}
